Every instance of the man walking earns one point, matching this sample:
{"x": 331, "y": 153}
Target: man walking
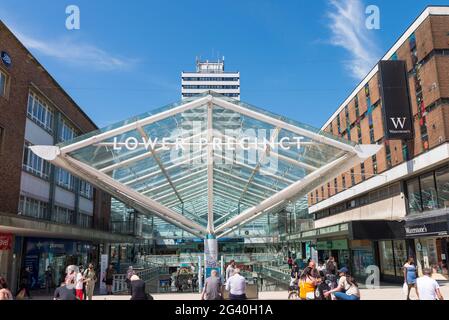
{"x": 212, "y": 287}
{"x": 428, "y": 288}
{"x": 236, "y": 285}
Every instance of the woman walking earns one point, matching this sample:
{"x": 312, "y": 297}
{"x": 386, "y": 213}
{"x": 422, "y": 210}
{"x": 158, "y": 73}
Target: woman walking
{"x": 410, "y": 275}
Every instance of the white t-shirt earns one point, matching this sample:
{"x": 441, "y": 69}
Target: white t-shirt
{"x": 427, "y": 288}
{"x": 236, "y": 284}
{"x": 79, "y": 281}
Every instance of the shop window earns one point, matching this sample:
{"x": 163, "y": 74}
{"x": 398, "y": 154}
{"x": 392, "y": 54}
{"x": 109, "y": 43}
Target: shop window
{"x": 442, "y": 180}
{"x": 400, "y": 255}
{"x": 428, "y": 192}
{"x": 414, "y": 196}
{"x": 387, "y": 265}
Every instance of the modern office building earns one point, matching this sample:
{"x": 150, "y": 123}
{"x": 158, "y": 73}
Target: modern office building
{"x": 396, "y": 203}
{"x": 211, "y": 76}
{"x": 48, "y": 216}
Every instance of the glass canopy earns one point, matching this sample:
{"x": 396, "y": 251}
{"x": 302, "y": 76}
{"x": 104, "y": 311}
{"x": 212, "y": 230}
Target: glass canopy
{"x": 209, "y": 164}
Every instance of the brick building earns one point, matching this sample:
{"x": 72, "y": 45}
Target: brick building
{"x": 46, "y": 214}
{"x": 395, "y": 204}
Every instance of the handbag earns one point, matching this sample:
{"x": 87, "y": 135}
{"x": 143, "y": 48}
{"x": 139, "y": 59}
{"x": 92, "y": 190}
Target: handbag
{"x": 21, "y": 295}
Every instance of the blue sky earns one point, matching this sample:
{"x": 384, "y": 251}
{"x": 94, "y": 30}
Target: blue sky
{"x": 297, "y": 58}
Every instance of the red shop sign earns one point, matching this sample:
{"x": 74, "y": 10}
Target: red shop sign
{"x": 5, "y": 241}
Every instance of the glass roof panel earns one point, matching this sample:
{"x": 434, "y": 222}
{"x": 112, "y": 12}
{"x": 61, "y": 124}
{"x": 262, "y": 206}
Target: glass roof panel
{"x": 167, "y": 160}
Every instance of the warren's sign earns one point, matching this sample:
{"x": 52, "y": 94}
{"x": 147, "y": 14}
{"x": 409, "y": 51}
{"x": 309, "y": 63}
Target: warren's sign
{"x": 395, "y": 100}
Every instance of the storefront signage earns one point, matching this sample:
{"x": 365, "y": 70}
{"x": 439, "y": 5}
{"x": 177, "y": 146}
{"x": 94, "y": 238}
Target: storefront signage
{"x": 5, "y": 241}
{"x": 428, "y": 229}
{"x": 6, "y": 59}
{"x": 341, "y": 244}
{"x": 395, "y": 100}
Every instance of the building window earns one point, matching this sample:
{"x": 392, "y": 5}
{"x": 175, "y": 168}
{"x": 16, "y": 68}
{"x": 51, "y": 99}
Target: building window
{"x": 359, "y": 133}
{"x": 322, "y": 191}
{"x": 85, "y": 189}
{"x": 338, "y": 124}
{"x": 40, "y": 112}
{"x": 414, "y": 196}
{"x": 84, "y": 220}
{"x": 405, "y": 153}
{"x": 2, "y": 139}
{"x": 66, "y": 131}
{"x": 388, "y": 154}
{"x": 63, "y": 215}
{"x": 329, "y": 189}
{"x": 343, "y": 182}
{"x": 357, "y": 111}
{"x": 65, "y": 179}
{"x": 428, "y": 192}
{"x": 34, "y": 164}
{"x": 442, "y": 180}
{"x": 362, "y": 171}
{"x": 3, "y": 82}
{"x": 374, "y": 158}
{"x": 335, "y": 185}
{"x": 352, "y": 177}
{"x": 33, "y": 208}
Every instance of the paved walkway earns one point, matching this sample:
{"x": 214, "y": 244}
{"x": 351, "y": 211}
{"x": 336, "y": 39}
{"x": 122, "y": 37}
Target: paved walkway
{"x": 384, "y": 293}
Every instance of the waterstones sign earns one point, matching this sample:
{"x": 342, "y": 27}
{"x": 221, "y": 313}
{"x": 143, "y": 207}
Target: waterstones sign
{"x": 428, "y": 229}
{"x": 395, "y": 100}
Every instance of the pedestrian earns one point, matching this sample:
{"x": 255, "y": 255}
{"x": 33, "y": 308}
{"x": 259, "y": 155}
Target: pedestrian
{"x": 90, "y": 278}
{"x": 321, "y": 266}
{"x": 109, "y": 278}
{"x": 5, "y": 293}
{"x": 129, "y": 274}
{"x": 79, "y": 285}
{"x": 307, "y": 284}
{"x": 294, "y": 274}
{"x": 410, "y": 275}
{"x": 290, "y": 262}
{"x": 347, "y": 288}
{"x": 236, "y": 285}
{"x": 192, "y": 268}
{"x": 81, "y": 268}
{"x": 138, "y": 289}
{"x": 25, "y": 284}
{"x": 230, "y": 269}
{"x": 428, "y": 288}
{"x": 63, "y": 292}
{"x": 48, "y": 279}
{"x": 212, "y": 287}
{"x": 331, "y": 266}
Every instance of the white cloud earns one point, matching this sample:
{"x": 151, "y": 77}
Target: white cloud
{"x": 347, "y": 24}
{"x": 75, "y": 53}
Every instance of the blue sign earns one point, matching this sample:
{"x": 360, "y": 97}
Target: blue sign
{"x": 6, "y": 59}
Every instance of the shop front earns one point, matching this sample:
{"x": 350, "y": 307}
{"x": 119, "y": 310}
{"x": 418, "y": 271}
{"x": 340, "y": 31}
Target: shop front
{"x": 358, "y": 245}
{"x": 431, "y": 244}
{"x": 41, "y": 253}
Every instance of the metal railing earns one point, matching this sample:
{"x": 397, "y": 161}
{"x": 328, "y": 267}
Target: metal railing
{"x": 119, "y": 284}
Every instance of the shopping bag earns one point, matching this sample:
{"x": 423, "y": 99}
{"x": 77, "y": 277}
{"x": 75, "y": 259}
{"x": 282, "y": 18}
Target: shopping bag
{"x": 405, "y": 289}
{"x": 21, "y": 295}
